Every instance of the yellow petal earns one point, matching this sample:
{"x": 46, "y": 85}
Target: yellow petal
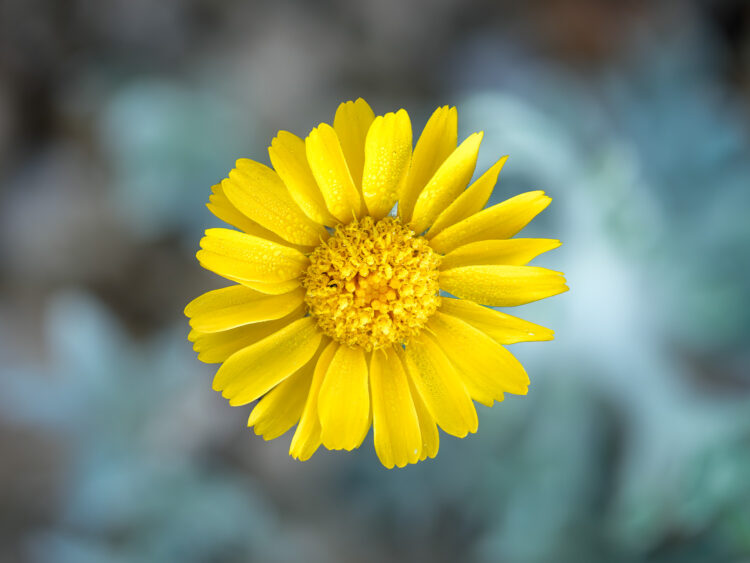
{"x": 387, "y": 157}
{"x": 472, "y": 200}
{"x": 258, "y": 192}
{"x": 332, "y": 174}
{"x": 273, "y": 288}
{"x": 512, "y": 252}
{"x": 446, "y": 184}
{"x": 289, "y": 159}
{"x": 497, "y": 222}
{"x": 240, "y": 256}
{"x": 193, "y": 335}
{"x": 252, "y": 371}
{"x": 435, "y": 144}
{"x": 216, "y": 347}
{"x": 441, "y": 387}
{"x": 486, "y": 367}
{"x": 306, "y": 438}
{"x": 282, "y": 406}
{"x": 219, "y": 205}
{"x": 502, "y": 286}
{"x": 502, "y": 328}
{"x": 474, "y": 385}
{"x": 237, "y": 305}
{"x": 396, "y": 427}
{"x": 351, "y": 123}
{"x": 344, "y": 402}
{"x": 427, "y": 426}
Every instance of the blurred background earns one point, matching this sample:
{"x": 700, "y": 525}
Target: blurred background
{"x": 633, "y": 444}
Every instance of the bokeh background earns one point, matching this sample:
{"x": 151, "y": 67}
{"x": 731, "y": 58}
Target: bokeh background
{"x": 116, "y": 116}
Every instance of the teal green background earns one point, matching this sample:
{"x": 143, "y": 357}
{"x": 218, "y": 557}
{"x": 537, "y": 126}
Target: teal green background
{"x": 633, "y": 444}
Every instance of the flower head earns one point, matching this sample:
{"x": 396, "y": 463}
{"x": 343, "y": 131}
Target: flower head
{"x": 346, "y": 315}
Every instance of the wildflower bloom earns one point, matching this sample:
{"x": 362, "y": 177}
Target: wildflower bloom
{"x": 339, "y": 318}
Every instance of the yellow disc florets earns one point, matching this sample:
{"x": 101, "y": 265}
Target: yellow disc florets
{"x": 372, "y": 283}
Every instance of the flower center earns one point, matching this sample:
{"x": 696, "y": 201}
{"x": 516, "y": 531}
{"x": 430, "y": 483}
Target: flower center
{"x": 372, "y": 283}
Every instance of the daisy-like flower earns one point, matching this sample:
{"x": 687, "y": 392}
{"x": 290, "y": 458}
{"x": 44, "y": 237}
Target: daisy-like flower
{"x": 345, "y": 314}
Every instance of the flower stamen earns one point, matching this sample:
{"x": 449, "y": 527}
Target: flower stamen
{"x": 372, "y": 284}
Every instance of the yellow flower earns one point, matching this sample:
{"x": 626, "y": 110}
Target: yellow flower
{"x": 337, "y": 321}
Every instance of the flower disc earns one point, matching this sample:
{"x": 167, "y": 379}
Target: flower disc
{"x": 372, "y": 284}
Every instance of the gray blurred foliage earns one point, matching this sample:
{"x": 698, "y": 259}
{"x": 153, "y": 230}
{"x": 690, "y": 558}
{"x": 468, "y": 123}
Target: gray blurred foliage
{"x": 135, "y": 488}
{"x": 634, "y": 441}
{"x": 162, "y": 138}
